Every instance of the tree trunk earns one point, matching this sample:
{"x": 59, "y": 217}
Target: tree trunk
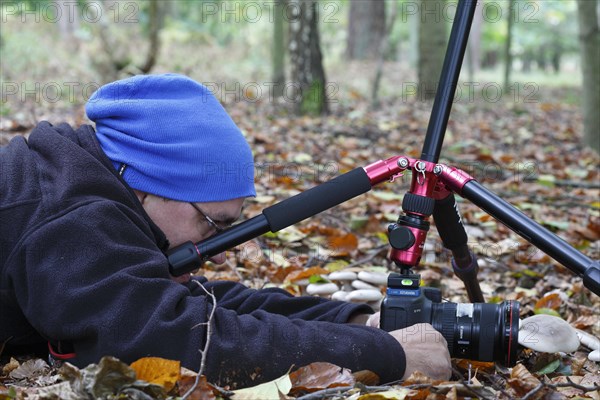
{"x": 68, "y": 20}
{"x": 433, "y": 39}
{"x": 366, "y": 28}
{"x": 508, "y": 59}
{"x": 474, "y": 44}
{"x": 589, "y": 38}
{"x": 308, "y": 75}
{"x": 381, "y": 55}
{"x": 278, "y": 49}
{"x": 155, "y": 21}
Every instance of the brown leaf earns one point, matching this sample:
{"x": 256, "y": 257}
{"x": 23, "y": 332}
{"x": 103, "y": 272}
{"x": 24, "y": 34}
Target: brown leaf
{"x": 476, "y": 365}
{"x": 305, "y": 274}
{"x": 417, "y": 378}
{"x": 366, "y": 377}
{"x": 204, "y": 391}
{"x": 157, "y": 370}
{"x": 549, "y": 301}
{"x": 318, "y": 376}
{"x": 343, "y": 245}
{"x": 522, "y": 381}
{"x": 585, "y": 321}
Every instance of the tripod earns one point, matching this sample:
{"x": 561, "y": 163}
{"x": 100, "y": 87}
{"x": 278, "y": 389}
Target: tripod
{"x": 431, "y": 193}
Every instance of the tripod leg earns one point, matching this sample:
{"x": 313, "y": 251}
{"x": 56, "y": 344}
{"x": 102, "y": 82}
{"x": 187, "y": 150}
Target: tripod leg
{"x": 449, "y": 225}
{"x": 534, "y": 233}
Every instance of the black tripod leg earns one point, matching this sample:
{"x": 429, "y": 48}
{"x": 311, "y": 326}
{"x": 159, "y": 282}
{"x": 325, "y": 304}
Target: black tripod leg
{"x": 449, "y": 225}
{"x": 535, "y": 234}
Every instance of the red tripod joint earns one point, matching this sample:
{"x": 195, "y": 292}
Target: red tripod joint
{"x": 388, "y": 169}
{"x": 452, "y": 178}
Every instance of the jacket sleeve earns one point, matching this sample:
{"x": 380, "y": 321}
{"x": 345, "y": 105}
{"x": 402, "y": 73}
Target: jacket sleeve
{"x": 93, "y": 276}
{"x": 237, "y": 297}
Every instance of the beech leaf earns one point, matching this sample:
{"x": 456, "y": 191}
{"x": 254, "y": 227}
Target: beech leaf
{"x": 157, "y": 370}
{"x": 268, "y": 390}
{"x": 320, "y": 375}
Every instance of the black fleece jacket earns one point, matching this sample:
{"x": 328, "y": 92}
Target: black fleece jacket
{"x": 81, "y": 262}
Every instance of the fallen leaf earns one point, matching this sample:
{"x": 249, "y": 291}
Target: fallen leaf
{"x": 476, "y": 365}
{"x": 305, "y": 274}
{"x": 157, "y": 370}
{"x": 521, "y": 380}
{"x": 320, "y": 375}
{"x": 343, "y": 245}
{"x": 552, "y": 301}
{"x": 397, "y": 393}
{"x": 585, "y": 321}
{"x": 10, "y": 366}
{"x": 203, "y": 391}
{"x": 268, "y": 390}
{"x": 30, "y": 369}
{"x": 366, "y": 377}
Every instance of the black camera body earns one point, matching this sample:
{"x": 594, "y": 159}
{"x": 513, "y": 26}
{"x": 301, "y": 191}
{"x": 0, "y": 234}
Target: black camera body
{"x": 476, "y": 331}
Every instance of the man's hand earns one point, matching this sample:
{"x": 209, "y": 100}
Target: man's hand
{"x": 373, "y": 320}
{"x": 425, "y": 348}
{"x": 426, "y": 351}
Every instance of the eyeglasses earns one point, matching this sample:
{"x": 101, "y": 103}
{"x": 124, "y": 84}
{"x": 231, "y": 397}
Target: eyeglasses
{"x": 210, "y": 221}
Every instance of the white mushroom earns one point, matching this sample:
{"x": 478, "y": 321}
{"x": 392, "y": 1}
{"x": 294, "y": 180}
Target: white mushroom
{"x": 322, "y": 289}
{"x": 340, "y": 295}
{"x": 375, "y": 305}
{"x": 376, "y": 278}
{"x": 547, "y": 334}
{"x": 302, "y": 284}
{"x": 589, "y": 341}
{"x": 358, "y": 284}
{"x": 344, "y": 277}
{"x": 364, "y": 296}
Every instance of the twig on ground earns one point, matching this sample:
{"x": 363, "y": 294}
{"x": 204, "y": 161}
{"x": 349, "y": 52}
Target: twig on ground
{"x": 371, "y": 255}
{"x": 569, "y": 383}
{"x": 204, "y": 351}
{"x": 533, "y": 391}
{"x": 321, "y": 394}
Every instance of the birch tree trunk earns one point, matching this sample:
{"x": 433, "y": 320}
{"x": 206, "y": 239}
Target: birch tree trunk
{"x": 308, "y": 75}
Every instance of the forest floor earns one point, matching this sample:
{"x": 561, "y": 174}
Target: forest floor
{"x": 528, "y": 152}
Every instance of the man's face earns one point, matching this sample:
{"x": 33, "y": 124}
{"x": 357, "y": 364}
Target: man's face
{"x": 182, "y": 221}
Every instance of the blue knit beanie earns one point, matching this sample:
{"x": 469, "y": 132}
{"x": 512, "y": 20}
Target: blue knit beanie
{"x": 176, "y": 139}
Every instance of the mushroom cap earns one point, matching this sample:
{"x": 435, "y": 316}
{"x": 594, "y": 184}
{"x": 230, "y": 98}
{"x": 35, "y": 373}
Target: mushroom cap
{"x": 342, "y": 276}
{"x": 594, "y": 356}
{"x": 547, "y": 334}
{"x": 340, "y": 295}
{"x": 322, "y": 289}
{"x": 364, "y": 295}
{"x": 358, "y": 284}
{"x": 376, "y": 278}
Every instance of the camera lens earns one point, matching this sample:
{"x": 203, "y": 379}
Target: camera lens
{"x": 479, "y": 331}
